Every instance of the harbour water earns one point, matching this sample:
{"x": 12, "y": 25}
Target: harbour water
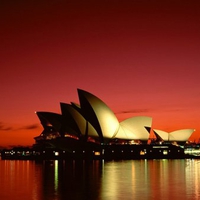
{"x": 100, "y": 180}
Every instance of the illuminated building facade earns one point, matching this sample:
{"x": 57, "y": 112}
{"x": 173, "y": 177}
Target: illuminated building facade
{"x": 92, "y": 126}
{"x": 92, "y": 120}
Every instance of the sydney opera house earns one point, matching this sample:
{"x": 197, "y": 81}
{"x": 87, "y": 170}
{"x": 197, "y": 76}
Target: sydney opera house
{"x": 91, "y": 129}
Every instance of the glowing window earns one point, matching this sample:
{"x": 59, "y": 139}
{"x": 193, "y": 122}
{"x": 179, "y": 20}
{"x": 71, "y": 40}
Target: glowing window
{"x": 165, "y": 152}
{"x": 97, "y": 153}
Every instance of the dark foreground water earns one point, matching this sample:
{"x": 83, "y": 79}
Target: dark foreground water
{"x": 133, "y": 179}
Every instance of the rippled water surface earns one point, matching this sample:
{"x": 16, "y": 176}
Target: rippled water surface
{"x": 133, "y": 179}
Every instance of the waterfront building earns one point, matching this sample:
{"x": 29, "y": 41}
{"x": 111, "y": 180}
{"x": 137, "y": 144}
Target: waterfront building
{"x": 91, "y": 128}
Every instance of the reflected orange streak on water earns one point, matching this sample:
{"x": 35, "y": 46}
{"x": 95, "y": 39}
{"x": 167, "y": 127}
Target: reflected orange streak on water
{"x": 21, "y": 179}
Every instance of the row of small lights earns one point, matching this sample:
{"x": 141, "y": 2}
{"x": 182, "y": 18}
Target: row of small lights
{"x": 57, "y": 153}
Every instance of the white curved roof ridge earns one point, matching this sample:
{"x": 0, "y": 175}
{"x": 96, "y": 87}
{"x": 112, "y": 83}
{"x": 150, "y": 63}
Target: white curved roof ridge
{"x": 107, "y": 120}
{"x": 180, "y": 135}
{"x": 121, "y": 134}
{"x": 126, "y": 134}
{"x": 163, "y": 134}
{"x": 134, "y": 127}
{"x": 79, "y": 120}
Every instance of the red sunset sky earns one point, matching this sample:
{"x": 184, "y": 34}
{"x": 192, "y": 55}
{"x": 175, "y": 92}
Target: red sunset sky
{"x": 141, "y": 57}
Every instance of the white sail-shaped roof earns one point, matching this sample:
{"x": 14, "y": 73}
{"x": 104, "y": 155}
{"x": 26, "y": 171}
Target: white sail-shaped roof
{"x": 93, "y": 118}
{"x": 99, "y": 114}
{"x": 178, "y": 135}
{"x": 135, "y": 128}
{"x": 162, "y": 134}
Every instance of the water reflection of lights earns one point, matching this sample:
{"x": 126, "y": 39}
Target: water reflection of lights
{"x": 56, "y": 175}
{"x": 109, "y": 183}
{"x": 193, "y": 176}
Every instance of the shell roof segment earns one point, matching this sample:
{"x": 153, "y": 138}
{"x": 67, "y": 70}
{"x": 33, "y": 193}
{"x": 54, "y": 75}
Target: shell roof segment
{"x": 135, "y": 128}
{"x": 178, "y": 135}
{"x": 74, "y": 119}
{"x": 50, "y": 119}
{"x": 93, "y": 118}
{"x": 99, "y": 114}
